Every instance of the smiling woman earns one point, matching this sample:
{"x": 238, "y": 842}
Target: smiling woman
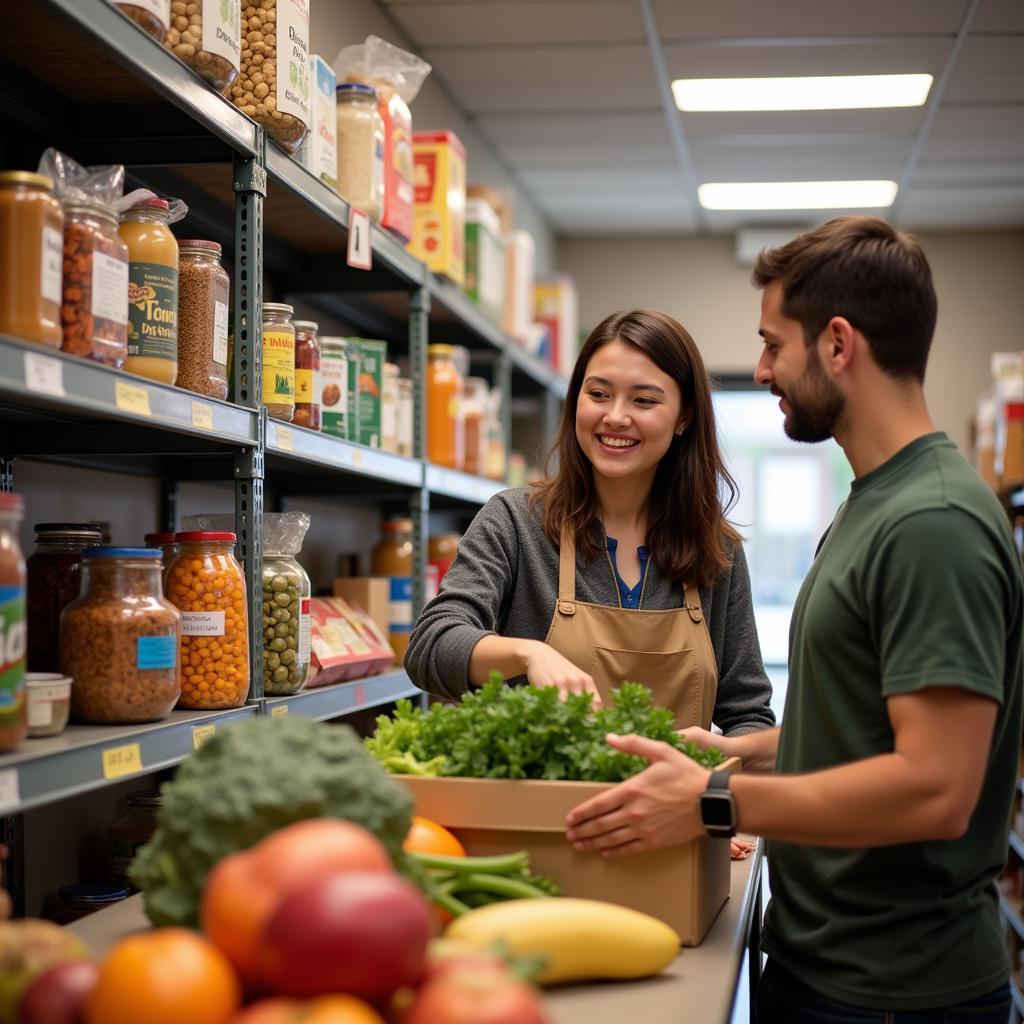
{"x": 621, "y": 564}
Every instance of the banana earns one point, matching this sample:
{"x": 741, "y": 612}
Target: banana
{"x": 580, "y": 939}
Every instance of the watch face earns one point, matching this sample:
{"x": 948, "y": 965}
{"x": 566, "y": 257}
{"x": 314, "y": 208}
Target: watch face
{"x": 716, "y": 810}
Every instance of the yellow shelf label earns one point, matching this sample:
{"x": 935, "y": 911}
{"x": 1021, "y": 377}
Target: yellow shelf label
{"x": 279, "y": 712}
{"x": 200, "y": 734}
{"x": 285, "y": 439}
{"x": 121, "y": 761}
{"x": 357, "y": 459}
{"x": 132, "y": 398}
{"x": 202, "y": 416}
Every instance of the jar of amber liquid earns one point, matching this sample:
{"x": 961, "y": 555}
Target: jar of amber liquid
{"x": 392, "y": 557}
{"x": 279, "y": 361}
{"x": 445, "y": 442}
{"x": 152, "y": 291}
{"x": 31, "y": 258}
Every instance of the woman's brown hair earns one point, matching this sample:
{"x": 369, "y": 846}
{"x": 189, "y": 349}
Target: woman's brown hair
{"x": 689, "y": 538}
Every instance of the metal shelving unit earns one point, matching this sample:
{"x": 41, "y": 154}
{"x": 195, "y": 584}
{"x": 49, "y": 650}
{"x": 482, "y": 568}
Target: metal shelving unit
{"x": 331, "y": 701}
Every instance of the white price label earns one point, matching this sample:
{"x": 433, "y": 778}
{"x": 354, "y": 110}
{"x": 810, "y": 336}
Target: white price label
{"x": 10, "y": 793}
{"x": 44, "y": 375}
{"x": 109, "y": 288}
{"x": 360, "y": 255}
{"x": 293, "y": 58}
{"x": 220, "y": 333}
{"x": 285, "y": 439}
{"x": 52, "y": 267}
{"x": 305, "y": 629}
{"x": 202, "y": 623}
{"x": 222, "y": 30}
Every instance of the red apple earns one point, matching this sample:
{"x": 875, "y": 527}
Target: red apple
{"x": 481, "y": 995}
{"x": 59, "y": 995}
{"x": 356, "y": 932}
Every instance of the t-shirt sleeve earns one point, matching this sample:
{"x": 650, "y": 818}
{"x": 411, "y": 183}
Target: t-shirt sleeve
{"x": 940, "y": 600}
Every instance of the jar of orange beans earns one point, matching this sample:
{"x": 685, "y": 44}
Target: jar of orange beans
{"x": 206, "y": 584}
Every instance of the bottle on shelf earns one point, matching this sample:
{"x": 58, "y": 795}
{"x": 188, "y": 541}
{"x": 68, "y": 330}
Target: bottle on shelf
{"x": 279, "y": 361}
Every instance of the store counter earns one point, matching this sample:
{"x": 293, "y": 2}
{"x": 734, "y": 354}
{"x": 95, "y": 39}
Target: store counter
{"x": 700, "y": 986}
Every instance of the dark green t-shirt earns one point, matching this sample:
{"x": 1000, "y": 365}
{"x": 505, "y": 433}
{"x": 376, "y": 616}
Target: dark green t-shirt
{"x": 917, "y": 584}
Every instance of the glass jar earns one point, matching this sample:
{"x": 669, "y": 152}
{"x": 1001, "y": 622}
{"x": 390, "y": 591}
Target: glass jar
{"x": 13, "y": 717}
{"x": 441, "y": 551}
{"x": 48, "y": 699}
{"x": 54, "y": 578}
{"x": 203, "y": 298}
{"x": 132, "y": 830}
{"x": 307, "y": 375}
{"x": 152, "y": 291}
{"x": 287, "y": 624}
{"x": 334, "y": 357}
{"x": 206, "y": 35}
{"x": 495, "y": 467}
{"x": 152, "y": 16}
{"x": 279, "y": 361}
{"x": 206, "y": 583}
{"x": 85, "y": 898}
{"x": 167, "y": 545}
{"x": 445, "y": 443}
{"x": 31, "y": 257}
{"x": 360, "y": 149}
{"x": 392, "y": 557}
{"x": 94, "y": 314}
{"x": 389, "y": 408}
{"x": 404, "y": 428}
{"x": 475, "y": 416}
{"x": 119, "y": 639}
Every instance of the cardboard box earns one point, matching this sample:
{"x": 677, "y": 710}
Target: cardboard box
{"x": 366, "y": 381}
{"x": 319, "y": 153}
{"x": 439, "y": 218}
{"x": 555, "y": 306}
{"x": 369, "y": 593}
{"x": 485, "y": 258}
{"x": 520, "y": 271}
{"x": 684, "y": 886}
{"x": 346, "y": 643}
{"x": 398, "y": 165}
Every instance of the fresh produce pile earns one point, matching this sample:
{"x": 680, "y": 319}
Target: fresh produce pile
{"x": 525, "y": 732}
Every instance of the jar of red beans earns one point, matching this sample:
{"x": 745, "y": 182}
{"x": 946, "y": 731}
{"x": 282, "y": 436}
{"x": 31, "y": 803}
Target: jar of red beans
{"x": 307, "y": 375}
{"x": 53, "y": 582}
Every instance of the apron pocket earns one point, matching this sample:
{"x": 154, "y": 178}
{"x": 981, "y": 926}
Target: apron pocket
{"x": 675, "y": 678}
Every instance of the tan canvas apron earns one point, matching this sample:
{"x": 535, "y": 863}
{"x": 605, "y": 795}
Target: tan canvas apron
{"x": 668, "y": 651}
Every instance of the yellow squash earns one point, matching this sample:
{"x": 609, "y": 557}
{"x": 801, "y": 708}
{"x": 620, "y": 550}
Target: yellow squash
{"x": 580, "y": 939}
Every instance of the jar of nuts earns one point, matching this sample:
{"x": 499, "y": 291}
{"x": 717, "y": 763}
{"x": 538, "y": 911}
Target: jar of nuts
{"x": 151, "y": 16}
{"x": 119, "y": 640}
{"x": 206, "y": 583}
{"x": 206, "y": 35}
{"x": 273, "y": 86}
{"x": 203, "y": 295}
{"x": 307, "y": 375}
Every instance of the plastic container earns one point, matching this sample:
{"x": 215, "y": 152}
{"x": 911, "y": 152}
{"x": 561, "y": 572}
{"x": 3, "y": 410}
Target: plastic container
{"x": 475, "y": 417}
{"x": 334, "y": 378}
{"x": 167, "y": 545}
{"x": 389, "y": 408}
{"x": 206, "y": 35}
{"x": 392, "y": 557}
{"x": 204, "y": 294}
{"x": 152, "y": 291}
{"x": 119, "y": 639}
{"x": 445, "y": 442}
{"x": 279, "y": 361}
{"x": 360, "y": 149}
{"x": 13, "y": 725}
{"x": 286, "y": 604}
{"x": 94, "y": 313}
{"x": 206, "y": 584}
{"x": 130, "y": 831}
{"x": 406, "y": 407}
{"x": 307, "y": 375}
{"x": 85, "y": 898}
{"x": 54, "y": 580}
{"x": 48, "y": 697}
{"x": 31, "y": 258}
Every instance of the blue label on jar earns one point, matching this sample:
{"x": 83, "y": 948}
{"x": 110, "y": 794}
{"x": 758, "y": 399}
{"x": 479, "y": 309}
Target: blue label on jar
{"x": 157, "y": 652}
{"x": 400, "y": 604}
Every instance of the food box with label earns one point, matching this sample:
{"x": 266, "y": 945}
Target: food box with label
{"x": 520, "y": 272}
{"x": 485, "y": 258}
{"x": 366, "y": 359}
{"x": 555, "y": 306}
{"x": 319, "y": 153}
{"x": 346, "y": 643}
{"x": 371, "y": 594}
{"x": 684, "y": 886}
{"x": 439, "y": 218}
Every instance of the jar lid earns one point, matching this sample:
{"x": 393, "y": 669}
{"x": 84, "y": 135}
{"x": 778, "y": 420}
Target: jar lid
{"x": 199, "y": 243}
{"x": 307, "y": 325}
{"x": 11, "y": 502}
{"x": 108, "y": 552}
{"x": 200, "y": 535}
{"x": 159, "y": 538}
{"x": 92, "y": 892}
{"x": 397, "y": 525}
{"x": 278, "y": 307}
{"x": 74, "y": 529}
{"x": 26, "y": 178}
{"x": 45, "y": 679}
{"x": 392, "y": 369}
{"x": 356, "y": 89}
{"x": 440, "y": 350}
{"x": 144, "y": 798}
{"x": 154, "y": 203}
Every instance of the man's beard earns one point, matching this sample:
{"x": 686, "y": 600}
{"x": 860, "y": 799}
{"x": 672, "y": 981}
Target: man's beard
{"x": 812, "y": 417}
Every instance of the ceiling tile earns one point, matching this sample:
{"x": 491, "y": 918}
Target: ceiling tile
{"x": 970, "y": 133}
{"x": 896, "y": 122}
{"x": 801, "y": 163}
{"x": 999, "y": 16}
{"x": 990, "y": 68}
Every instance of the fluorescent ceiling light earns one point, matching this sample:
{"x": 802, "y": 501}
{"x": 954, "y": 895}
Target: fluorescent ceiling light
{"x": 840, "y": 92}
{"x": 796, "y": 195}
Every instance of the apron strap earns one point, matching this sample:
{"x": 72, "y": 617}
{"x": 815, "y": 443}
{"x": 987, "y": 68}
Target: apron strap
{"x": 567, "y": 573}
{"x": 691, "y": 599}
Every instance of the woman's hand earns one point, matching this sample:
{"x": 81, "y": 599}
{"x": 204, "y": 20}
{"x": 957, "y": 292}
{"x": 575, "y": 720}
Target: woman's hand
{"x": 546, "y": 667}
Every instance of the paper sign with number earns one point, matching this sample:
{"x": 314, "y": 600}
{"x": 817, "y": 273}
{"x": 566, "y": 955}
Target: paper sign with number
{"x": 360, "y": 255}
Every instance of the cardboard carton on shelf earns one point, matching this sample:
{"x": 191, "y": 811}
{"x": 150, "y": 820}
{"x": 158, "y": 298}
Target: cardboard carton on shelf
{"x": 370, "y": 593}
{"x": 684, "y": 886}
{"x": 346, "y": 643}
{"x": 439, "y": 216}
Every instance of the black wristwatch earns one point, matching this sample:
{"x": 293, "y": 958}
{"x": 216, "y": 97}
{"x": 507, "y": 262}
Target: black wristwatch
{"x": 717, "y": 807}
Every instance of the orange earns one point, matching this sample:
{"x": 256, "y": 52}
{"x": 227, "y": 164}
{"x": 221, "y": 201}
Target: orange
{"x": 324, "y": 1010}
{"x": 426, "y": 836}
{"x": 166, "y": 976}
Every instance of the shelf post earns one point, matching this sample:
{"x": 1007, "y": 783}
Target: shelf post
{"x": 503, "y": 381}
{"x": 419, "y": 502}
{"x": 249, "y": 546}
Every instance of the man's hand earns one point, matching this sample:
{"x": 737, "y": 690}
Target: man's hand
{"x": 650, "y": 811}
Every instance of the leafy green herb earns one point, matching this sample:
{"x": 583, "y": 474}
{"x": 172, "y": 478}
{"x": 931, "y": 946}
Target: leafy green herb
{"x": 526, "y": 732}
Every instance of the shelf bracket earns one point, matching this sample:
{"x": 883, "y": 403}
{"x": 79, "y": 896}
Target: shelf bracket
{"x": 249, "y": 467}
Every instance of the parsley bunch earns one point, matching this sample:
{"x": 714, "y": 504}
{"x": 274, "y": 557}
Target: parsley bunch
{"x": 526, "y": 732}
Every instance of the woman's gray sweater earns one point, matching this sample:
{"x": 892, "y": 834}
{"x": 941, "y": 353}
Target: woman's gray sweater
{"x": 504, "y": 581}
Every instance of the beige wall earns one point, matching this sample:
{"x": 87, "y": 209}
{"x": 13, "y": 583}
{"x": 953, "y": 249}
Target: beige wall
{"x": 979, "y": 278}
